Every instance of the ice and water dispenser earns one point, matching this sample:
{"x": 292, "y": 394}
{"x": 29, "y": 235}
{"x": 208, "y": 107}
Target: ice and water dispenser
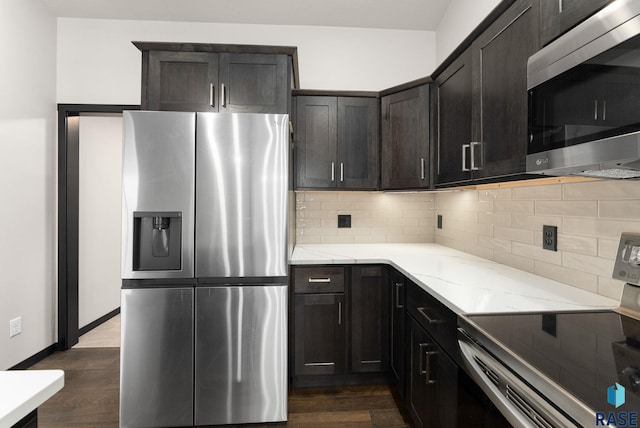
{"x": 157, "y": 241}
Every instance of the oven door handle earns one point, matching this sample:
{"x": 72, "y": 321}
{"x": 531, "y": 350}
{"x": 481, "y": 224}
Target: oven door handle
{"x": 508, "y": 410}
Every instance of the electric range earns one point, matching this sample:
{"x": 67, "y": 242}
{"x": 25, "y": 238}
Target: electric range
{"x": 566, "y": 368}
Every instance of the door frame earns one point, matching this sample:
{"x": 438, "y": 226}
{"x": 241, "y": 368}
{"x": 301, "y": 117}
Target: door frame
{"x": 68, "y": 210}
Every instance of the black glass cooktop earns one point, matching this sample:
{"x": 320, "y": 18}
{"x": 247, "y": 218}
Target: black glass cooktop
{"x": 586, "y": 353}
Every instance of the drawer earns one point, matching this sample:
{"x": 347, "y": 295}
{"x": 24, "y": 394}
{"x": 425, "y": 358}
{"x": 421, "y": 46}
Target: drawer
{"x": 438, "y": 320}
{"x": 322, "y": 279}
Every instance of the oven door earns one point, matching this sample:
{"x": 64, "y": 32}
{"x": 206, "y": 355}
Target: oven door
{"x": 520, "y": 405}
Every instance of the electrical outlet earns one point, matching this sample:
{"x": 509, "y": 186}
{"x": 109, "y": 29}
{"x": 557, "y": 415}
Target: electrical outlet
{"x": 550, "y": 238}
{"x": 344, "y": 221}
{"x": 439, "y": 221}
{"x": 15, "y": 326}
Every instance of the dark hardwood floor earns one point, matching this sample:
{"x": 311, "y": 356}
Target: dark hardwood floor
{"x": 91, "y": 393}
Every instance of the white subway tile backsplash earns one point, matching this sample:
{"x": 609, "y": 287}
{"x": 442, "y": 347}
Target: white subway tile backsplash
{"x": 549, "y": 192}
{"x": 567, "y": 208}
{"x": 535, "y": 222}
{"x": 500, "y": 224}
{"x": 509, "y": 206}
{"x": 602, "y": 190}
{"x": 628, "y": 209}
{"x": 576, "y": 244}
{"x": 610, "y": 287}
{"x": 536, "y": 253}
{"x": 607, "y": 248}
{"x": 583, "y": 280}
{"x": 513, "y": 234}
{"x": 588, "y": 264}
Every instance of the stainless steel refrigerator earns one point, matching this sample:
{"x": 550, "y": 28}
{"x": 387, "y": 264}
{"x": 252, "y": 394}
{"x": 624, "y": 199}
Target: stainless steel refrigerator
{"x": 204, "y": 268}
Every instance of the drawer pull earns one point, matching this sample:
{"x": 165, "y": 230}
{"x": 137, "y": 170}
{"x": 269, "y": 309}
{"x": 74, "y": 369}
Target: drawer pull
{"x": 399, "y": 304}
{"x": 319, "y": 280}
{"x": 430, "y": 319}
{"x": 319, "y": 364}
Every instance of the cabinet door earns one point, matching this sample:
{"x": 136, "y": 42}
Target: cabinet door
{"x": 558, "y": 16}
{"x": 316, "y": 142}
{"x": 397, "y": 328}
{"x": 319, "y": 334}
{"x": 500, "y": 57}
{"x": 405, "y": 139}
{"x": 181, "y": 81}
{"x": 453, "y": 98}
{"x": 432, "y": 382}
{"x": 369, "y": 303}
{"x": 358, "y": 143}
{"x": 254, "y": 83}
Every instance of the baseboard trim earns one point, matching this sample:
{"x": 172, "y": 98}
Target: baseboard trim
{"x": 35, "y": 358}
{"x": 87, "y": 328}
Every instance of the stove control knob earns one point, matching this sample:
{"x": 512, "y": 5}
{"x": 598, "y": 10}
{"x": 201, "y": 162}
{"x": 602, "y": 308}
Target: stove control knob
{"x": 634, "y": 256}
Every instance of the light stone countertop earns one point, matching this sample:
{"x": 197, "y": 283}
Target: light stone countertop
{"x": 22, "y": 391}
{"x": 465, "y": 283}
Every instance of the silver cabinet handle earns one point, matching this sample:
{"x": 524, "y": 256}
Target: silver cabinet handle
{"x": 422, "y": 169}
{"x": 398, "y": 304}
{"x": 341, "y": 171}
{"x": 604, "y": 110}
{"x": 223, "y": 95}
{"x": 319, "y": 280}
{"x": 432, "y": 321}
{"x": 595, "y": 110}
{"x": 560, "y": 6}
{"x": 473, "y": 157}
{"x": 333, "y": 171}
{"x": 464, "y": 157}
{"x": 211, "y": 90}
{"x": 428, "y": 355}
{"x": 339, "y": 313}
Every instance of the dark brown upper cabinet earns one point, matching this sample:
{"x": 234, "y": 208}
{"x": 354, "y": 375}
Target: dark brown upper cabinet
{"x": 215, "y": 78}
{"x": 558, "y": 16}
{"x": 482, "y": 103}
{"x": 452, "y": 96}
{"x": 336, "y": 142}
{"x": 405, "y": 139}
{"x": 500, "y": 110}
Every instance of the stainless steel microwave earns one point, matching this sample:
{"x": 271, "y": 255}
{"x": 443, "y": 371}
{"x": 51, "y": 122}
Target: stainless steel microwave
{"x": 584, "y": 98}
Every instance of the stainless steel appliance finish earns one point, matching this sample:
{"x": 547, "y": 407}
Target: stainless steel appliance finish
{"x": 156, "y": 357}
{"x": 158, "y": 175}
{"x": 519, "y": 403}
{"x": 204, "y": 295}
{"x": 582, "y": 123}
{"x": 241, "y": 215}
{"x": 241, "y": 337}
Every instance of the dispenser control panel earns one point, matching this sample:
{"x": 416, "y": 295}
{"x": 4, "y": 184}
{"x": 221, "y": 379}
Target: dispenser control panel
{"x": 627, "y": 267}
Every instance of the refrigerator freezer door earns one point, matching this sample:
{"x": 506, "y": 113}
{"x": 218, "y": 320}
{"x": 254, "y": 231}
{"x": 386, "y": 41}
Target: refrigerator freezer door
{"x": 156, "y": 357}
{"x": 241, "y": 355}
{"x": 158, "y": 180}
{"x": 242, "y": 180}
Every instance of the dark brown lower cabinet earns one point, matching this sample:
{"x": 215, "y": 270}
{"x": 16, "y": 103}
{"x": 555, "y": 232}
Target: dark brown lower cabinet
{"x": 369, "y": 303}
{"x": 397, "y": 310}
{"x": 319, "y": 334}
{"x": 432, "y": 381}
{"x": 340, "y": 325}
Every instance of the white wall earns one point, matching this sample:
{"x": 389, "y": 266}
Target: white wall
{"x": 98, "y": 64}
{"x": 27, "y": 180}
{"x": 99, "y": 221}
{"x": 459, "y": 20}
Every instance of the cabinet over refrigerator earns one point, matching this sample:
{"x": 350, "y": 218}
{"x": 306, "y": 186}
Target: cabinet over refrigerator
{"x": 204, "y": 268}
